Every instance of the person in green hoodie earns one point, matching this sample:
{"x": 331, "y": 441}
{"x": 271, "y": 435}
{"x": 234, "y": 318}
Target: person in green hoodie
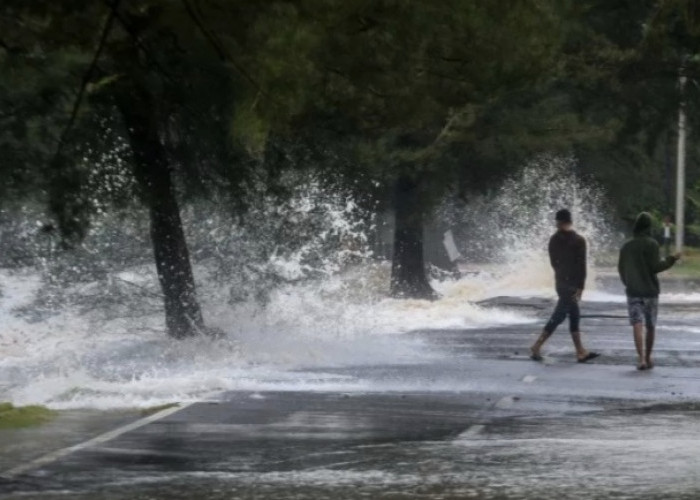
{"x": 638, "y": 266}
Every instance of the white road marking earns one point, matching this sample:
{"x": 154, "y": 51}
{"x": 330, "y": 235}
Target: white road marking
{"x": 528, "y": 379}
{"x": 102, "y": 438}
{"x": 505, "y": 402}
{"x": 472, "y": 431}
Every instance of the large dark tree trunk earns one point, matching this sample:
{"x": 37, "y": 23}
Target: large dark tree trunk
{"x": 183, "y": 316}
{"x": 408, "y": 273}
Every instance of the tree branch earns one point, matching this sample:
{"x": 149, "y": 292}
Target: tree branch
{"x": 86, "y": 79}
{"x": 219, "y": 48}
{"x": 142, "y": 47}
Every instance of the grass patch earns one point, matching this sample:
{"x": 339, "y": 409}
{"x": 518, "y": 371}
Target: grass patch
{"x": 14, "y": 417}
{"x": 689, "y": 266}
{"x": 155, "y": 409}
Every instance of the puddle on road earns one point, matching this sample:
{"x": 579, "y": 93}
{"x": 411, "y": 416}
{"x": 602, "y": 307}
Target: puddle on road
{"x": 647, "y": 454}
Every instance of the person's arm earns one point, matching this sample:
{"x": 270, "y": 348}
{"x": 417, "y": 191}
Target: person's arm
{"x": 620, "y": 268}
{"x": 654, "y": 260}
{"x": 582, "y": 264}
{"x": 552, "y": 260}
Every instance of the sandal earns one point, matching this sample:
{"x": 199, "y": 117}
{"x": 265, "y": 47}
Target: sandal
{"x": 588, "y": 357}
{"x": 536, "y": 357}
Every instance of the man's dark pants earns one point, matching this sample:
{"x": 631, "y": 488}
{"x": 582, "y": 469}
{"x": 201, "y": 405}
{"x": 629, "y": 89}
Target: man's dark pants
{"x": 566, "y": 306}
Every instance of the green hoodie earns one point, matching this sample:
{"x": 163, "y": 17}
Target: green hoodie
{"x": 640, "y": 261}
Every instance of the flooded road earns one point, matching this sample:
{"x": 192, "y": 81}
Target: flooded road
{"x": 475, "y": 419}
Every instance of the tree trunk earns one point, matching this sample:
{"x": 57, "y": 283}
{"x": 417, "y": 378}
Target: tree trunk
{"x": 408, "y": 276}
{"x": 183, "y": 317}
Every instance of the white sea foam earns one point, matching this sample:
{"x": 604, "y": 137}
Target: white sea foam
{"x": 108, "y": 348}
{"x": 595, "y": 295}
{"x": 295, "y": 342}
{"x": 78, "y": 360}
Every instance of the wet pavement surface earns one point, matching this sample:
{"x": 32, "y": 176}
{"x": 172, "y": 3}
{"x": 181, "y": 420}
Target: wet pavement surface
{"x": 476, "y": 420}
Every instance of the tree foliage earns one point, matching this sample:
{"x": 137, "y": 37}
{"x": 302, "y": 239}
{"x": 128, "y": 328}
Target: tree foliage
{"x": 405, "y": 102}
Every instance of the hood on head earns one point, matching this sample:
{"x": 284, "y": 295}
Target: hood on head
{"x": 643, "y": 224}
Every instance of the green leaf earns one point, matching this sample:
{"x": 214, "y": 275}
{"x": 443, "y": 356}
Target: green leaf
{"x": 100, "y": 84}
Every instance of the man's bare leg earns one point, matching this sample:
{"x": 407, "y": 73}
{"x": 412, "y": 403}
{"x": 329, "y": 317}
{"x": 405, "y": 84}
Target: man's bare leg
{"x": 639, "y": 344}
{"x": 651, "y": 333}
{"x": 578, "y": 345}
{"x": 535, "y": 349}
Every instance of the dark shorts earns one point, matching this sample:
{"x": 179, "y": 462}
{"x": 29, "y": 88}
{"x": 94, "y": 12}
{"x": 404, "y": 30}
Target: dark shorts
{"x": 643, "y": 310}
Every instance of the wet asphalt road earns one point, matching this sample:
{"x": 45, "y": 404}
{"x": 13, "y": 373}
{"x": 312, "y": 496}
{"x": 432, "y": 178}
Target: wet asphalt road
{"x": 476, "y": 420}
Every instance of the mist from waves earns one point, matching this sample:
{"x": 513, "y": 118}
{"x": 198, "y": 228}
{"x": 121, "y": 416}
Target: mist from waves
{"x": 293, "y": 286}
{"x": 504, "y": 235}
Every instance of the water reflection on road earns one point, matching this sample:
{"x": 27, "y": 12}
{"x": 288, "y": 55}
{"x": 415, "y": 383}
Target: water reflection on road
{"x": 474, "y": 420}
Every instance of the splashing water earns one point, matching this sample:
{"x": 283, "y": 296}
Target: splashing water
{"x": 508, "y": 232}
{"x": 294, "y": 289}
{"x": 77, "y": 359}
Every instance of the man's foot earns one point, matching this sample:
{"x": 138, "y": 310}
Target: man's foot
{"x": 589, "y": 356}
{"x": 650, "y": 364}
{"x": 642, "y": 366}
{"x": 535, "y": 354}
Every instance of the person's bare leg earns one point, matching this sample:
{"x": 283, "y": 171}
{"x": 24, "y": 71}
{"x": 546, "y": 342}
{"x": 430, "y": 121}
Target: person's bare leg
{"x": 558, "y": 316}
{"x": 578, "y": 345}
{"x": 535, "y": 349}
{"x": 639, "y": 344}
{"x": 651, "y": 333}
